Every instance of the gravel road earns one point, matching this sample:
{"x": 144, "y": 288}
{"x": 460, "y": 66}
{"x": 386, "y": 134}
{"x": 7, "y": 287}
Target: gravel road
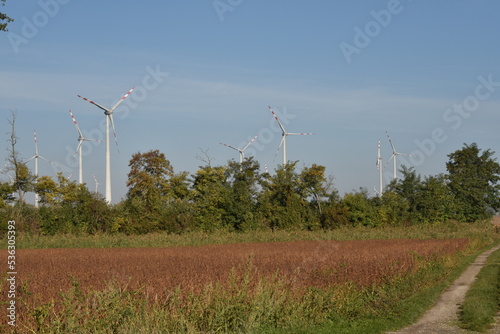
{"x": 442, "y": 318}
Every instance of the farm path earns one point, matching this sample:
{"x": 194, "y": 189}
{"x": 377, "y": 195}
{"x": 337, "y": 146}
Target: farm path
{"x": 442, "y": 317}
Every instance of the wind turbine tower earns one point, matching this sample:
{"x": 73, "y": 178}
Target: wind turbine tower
{"x": 108, "y": 112}
{"x": 284, "y": 134}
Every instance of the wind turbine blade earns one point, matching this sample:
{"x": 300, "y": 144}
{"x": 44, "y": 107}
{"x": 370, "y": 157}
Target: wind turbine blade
{"x": 80, "y": 143}
{"x": 36, "y": 144}
{"x": 90, "y": 139}
{"x": 392, "y": 157}
{"x": 76, "y": 124}
{"x": 97, "y": 105}
{"x": 277, "y": 120}
{"x": 251, "y": 141}
{"x": 378, "y": 155}
{"x": 114, "y": 131}
{"x": 281, "y": 143}
{"x": 300, "y": 134}
{"x": 51, "y": 162}
{"x": 121, "y": 100}
{"x": 33, "y": 157}
{"x": 390, "y": 141}
{"x": 408, "y": 155}
{"x": 234, "y": 148}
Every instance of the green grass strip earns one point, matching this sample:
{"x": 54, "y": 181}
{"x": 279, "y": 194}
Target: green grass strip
{"x": 482, "y": 300}
{"x": 483, "y": 231}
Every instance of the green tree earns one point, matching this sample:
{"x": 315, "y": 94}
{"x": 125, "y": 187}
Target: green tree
{"x": 211, "y": 198}
{"x": 312, "y": 183}
{"x": 158, "y": 198}
{"x": 4, "y": 19}
{"x": 6, "y": 194}
{"x": 435, "y": 203}
{"x": 393, "y": 209}
{"x": 361, "y": 211}
{"x": 69, "y": 207}
{"x": 148, "y": 178}
{"x": 280, "y": 201}
{"x": 473, "y": 179}
{"x": 408, "y": 187}
{"x": 48, "y": 190}
{"x": 243, "y": 182}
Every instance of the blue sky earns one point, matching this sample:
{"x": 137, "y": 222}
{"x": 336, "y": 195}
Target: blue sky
{"x": 205, "y": 72}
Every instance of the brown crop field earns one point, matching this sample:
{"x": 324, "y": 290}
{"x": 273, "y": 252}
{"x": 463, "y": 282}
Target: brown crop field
{"x": 310, "y": 263}
{"x": 44, "y": 273}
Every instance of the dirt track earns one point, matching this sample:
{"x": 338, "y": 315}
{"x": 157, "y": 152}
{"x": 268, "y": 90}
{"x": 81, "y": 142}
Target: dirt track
{"x": 442, "y": 318}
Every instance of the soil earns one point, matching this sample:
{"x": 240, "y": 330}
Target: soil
{"x": 443, "y": 317}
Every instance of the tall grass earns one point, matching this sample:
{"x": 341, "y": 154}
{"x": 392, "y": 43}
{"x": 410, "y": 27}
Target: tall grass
{"x": 482, "y": 230}
{"x": 247, "y": 303}
{"x": 482, "y": 300}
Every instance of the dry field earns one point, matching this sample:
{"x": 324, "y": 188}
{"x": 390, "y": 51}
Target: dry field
{"x": 44, "y": 273}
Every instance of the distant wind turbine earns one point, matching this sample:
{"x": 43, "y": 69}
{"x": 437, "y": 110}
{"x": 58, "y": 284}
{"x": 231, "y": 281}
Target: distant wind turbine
{"x": 284, "y": 134}
{"x": 242, "y": 150}
{"x": 394, "y": 154}
{"x": 109, "y": 118}
{"x": 81, "y": 139}
{"x": 36, "y": 157}
{"x": 379, "y": 167}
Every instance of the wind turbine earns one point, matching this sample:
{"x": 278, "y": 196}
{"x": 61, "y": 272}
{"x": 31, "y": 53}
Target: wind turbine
{"x": 109, "y": 118}
{"x": 36, "y": 156}
{"x": 81, "y": 139}
{"x": 379, "y": 167}
{"x": 284, "y": 134}
{"x": 394, "y": 154}
{"x": 242, "y": 150}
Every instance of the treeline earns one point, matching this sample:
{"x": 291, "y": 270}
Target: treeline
{"x": 238, "y": 197}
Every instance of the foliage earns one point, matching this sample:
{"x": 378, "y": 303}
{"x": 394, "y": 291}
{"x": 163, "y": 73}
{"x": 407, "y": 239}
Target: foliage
{"x": 238, "y": 197}
{"x": 4, "y": 19}
{"x": 148, "y": 179}
{"x": 211, "y": 197}
{"x": 474, "y": 182}
{"x": 242, "y": 182}
{"x": 280, "y": 200}
{"x": 361, "y": 212}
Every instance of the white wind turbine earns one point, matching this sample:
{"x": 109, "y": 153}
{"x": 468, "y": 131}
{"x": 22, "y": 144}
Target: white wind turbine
{"x": 379, "y": 167}
{"x": 240, "y": 150}
{"x": 284, "y": 134}
{"x": 81, "y": 139}
{"x": 394, "y": 154}
{"x": 109, "y": 118}
{"x": 36, "y": 157}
